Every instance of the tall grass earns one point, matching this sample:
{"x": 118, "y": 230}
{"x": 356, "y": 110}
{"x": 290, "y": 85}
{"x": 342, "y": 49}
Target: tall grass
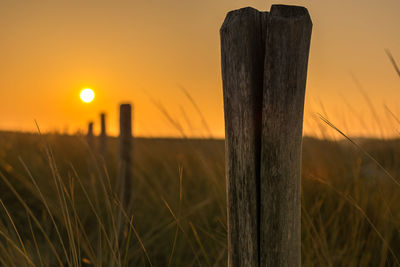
{"x": 59, "y": 207}
{"x": 66, "y": 192}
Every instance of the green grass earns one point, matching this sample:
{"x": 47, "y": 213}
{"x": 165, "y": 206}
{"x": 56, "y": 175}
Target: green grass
{"x": 59, "y": 207}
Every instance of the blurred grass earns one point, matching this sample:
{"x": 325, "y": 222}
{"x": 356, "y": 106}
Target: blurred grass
{"x": 350, "y": 208}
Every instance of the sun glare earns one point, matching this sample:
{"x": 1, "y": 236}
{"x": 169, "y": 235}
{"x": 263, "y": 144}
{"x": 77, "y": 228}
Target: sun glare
{"x": 87, "y": 95}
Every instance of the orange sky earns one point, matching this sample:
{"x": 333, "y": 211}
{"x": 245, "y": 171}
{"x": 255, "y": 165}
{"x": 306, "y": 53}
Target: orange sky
{"x": 142, "y": 51}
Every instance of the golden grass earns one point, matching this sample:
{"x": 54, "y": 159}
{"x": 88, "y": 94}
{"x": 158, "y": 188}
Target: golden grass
{"x": 60, "y": 207}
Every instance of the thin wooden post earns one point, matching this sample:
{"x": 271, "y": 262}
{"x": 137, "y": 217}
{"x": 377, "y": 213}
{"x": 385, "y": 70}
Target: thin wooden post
{"x": 264, "y": 70}
{"x": 90, "y": 135}
{"x": 125, "y": 152}
{"x": 103, "y": 135}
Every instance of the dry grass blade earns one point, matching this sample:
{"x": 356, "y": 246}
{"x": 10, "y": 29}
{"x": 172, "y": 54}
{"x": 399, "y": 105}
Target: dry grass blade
{"x": 60, "y": 193}
{"x": 115, "y": 254}
{"x": 108, "y": 196}
{"x": 395, "y": 66}
{"x": 46, "y": 204}
{"x": 198, "y": 110}
{"x": 131, "y": 227}
{"x": 107, "y": 200}
{"x": 181, "y": 228}
{"x": 392, "y": 114}
{"x": 179, "y": 215}
{"x": 23, "y": 254}
{"x": 140, "y": 242}
{"x": 171, "y": 120}
{"x": 16, "y": 232}
{"x": 186, "y": 118}
{"x": 37, "y": 222}
{"x": 368, "y": 101}
{"x": 128, "y": 242}
{"x": 8, "y": 257}
{"x": 360, "y": 148}
{"x": 4, "y": 253}
{"x": 352, "y": 201}
{"x": 34, "y": 240}
{"x": 196, "y": 235}
{"x": 62, "y": 196}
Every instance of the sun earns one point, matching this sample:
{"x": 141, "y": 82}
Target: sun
{"x": 87, "y": 95}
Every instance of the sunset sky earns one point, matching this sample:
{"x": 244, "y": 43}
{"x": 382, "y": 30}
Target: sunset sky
{"x": 145, "y": 51}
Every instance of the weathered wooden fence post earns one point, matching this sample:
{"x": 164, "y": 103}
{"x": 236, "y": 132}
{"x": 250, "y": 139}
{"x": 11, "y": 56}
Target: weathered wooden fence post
{"x": 125, "y": 150}
{"x": 90, "y": 135}
{"x": 264, "y": 60}
{"x": 103, "y": 135}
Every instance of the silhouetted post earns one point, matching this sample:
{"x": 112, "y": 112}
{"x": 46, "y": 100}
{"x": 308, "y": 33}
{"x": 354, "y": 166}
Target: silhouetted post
{"x": 264, "y": 71}
{"x": 90, "y": 136}
{"x": 103, "y": 135}
{"x": 125, "y": 150}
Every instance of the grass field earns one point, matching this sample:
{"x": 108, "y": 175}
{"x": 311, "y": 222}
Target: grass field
{"x": 58, "y": 205}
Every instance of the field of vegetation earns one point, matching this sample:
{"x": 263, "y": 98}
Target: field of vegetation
{"x": 59, "y": 207}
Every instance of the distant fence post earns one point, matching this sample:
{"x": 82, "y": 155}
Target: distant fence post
{"x": 264, "y": 59}
{"x": 125, "y": 152}
{"x": 90, "y": 135}
{"x": 103, "y": 135}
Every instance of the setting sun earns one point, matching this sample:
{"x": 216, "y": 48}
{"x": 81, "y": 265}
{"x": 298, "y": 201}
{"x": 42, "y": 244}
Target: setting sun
{"x": 87, "y": 95}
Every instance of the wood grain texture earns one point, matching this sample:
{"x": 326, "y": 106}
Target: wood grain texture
{"x": 242, "y": 59}
{"x": 285, "y": 72}
{"x": 125, "y": 152}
